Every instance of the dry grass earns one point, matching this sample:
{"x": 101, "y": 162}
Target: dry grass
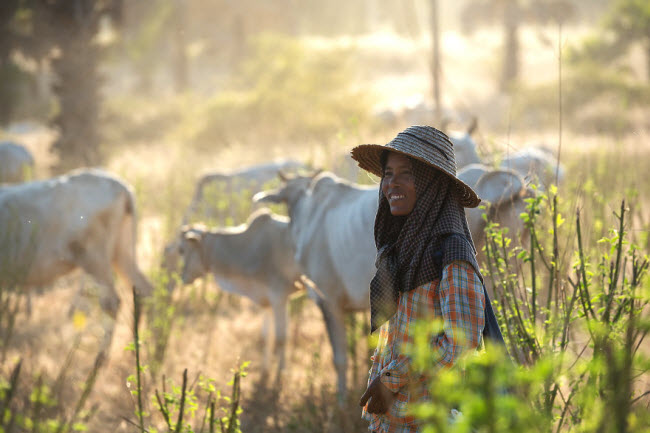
{"x": 207, "y": 340}
{"x": 210, "y": 339}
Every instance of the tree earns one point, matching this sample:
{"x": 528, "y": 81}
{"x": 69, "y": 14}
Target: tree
{"x": 15, "y": 38}
{"x": 62, "y": 32}
{"x": 625, "y": 24}
{"x": 512, "y": 14}
{"x": 71, "y": 27}
{"x": 8, "y": 10}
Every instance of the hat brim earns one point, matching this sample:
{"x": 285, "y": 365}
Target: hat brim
{"x": 368, "y": 157}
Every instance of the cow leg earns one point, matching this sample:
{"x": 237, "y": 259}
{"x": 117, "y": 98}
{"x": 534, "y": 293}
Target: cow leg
{"x": 99, "y": 268}
{"x": 125, "y": 260}
{"x": 335, "y": 323}
{"x": 280, "y": 322}
{"x": 79, "y": 294}
{"x": 130, "y": 270}
{"x": 266, "y": 341}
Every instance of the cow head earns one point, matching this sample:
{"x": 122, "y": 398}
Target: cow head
{"x": 170, "y": 263}
{"x": 294, "y": 186}
{"x": 191, "y": 251}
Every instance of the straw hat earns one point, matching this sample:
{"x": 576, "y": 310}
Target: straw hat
{"x": 426, "y": 144}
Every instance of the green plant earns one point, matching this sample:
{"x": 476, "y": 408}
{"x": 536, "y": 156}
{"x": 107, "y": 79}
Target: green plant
{"x": 189, "y": 408}
{"x": 575, "y": 333}
{"x": 36, "y": 403}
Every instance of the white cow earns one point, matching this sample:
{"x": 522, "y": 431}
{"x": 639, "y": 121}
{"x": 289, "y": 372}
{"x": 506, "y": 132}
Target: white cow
{"x": 255, "y": 260}
{"x": 218, "y": 196}
{"x": 465, "y": 146}
{"x": 86, "y": 220}
{"x": 536, "y": 164}
{"x": 16, "y": 163}
{"x": 215, "y": 193}
{"x": 502, "y": 193}
{"x": 331, "y": 225}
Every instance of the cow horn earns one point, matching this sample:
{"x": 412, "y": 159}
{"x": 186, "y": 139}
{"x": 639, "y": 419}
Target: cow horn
{"x": 192, "y": 236}
{"x": 472, "y": 126}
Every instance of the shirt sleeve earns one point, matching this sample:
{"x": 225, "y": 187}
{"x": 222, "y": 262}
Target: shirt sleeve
{"x": 397, "y": 373}
{"x": 462, "y": 304}
{"x": 461, "y": 299}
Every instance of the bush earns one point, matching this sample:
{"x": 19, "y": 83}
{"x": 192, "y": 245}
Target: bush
{"x": 594, "y": 99}
{"x": 575, "y": 336}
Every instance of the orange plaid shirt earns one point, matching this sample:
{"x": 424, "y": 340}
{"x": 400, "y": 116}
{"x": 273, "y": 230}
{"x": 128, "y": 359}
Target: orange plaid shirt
{"x": 456, "y": 298}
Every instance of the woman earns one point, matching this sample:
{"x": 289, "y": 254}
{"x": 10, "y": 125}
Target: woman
{"x": 426, "y": 269}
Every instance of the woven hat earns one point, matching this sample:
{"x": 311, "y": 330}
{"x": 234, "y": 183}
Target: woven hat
{"x": 426, "y": 144}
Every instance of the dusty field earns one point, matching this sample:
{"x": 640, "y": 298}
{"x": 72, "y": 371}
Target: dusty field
{"x": 211, "y": 335}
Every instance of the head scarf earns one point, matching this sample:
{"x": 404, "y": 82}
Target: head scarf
{"x": 413, "y": 249}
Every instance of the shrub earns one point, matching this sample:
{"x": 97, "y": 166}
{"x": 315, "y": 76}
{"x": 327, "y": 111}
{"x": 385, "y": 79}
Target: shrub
{"x": 574, "y": 332}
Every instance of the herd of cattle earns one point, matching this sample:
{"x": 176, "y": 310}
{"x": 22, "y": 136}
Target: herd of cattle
{"x": 87, "y": 219}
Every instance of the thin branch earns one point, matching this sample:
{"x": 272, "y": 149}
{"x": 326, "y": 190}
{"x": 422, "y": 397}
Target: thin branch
{"x": 133, "y": 424}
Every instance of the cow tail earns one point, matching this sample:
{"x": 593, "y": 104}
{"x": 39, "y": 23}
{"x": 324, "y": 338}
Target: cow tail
{"x": 131, "y": 213}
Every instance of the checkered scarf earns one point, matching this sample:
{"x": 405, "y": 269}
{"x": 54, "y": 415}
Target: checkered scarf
{"x": 414, "y": 249}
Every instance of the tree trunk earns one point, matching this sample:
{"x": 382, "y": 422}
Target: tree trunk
{"x": 510, "y": 68}
{"x": 180, "y": 52}
{"x": 76, "y": 88}
{"x": 8, "y": 70}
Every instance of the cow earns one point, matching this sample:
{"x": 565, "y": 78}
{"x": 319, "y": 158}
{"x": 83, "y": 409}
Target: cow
{"x": 503, "y": 193}
{"x": 255, "y": 260}
{"x": 16, "y": 163}
{"x": 215, "y": 193}
{"x": 536, "y": 164}
{"x": 331, "y": 225}
{"x": 216, "y": 198}
{"x": 85, "y": 219}
{"x": 465, "y": 146}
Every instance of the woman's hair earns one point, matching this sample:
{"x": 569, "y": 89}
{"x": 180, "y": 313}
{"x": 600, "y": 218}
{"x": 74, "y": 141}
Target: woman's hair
{"x": 383, "y": 158}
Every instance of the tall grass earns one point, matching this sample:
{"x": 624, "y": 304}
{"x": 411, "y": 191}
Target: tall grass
{"x": 193, "y": 407}
{"x": 34, "y": 402}
{"x": 574, "y": 329}
{"x": 18, "y": 247}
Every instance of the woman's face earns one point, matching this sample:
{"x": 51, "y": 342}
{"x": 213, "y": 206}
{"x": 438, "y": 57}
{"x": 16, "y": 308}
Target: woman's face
{"x": 398, "y": 184}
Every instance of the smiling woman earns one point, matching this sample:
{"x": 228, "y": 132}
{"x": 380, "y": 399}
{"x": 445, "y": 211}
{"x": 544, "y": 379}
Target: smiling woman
{"x": 398, "y": 183}
{"x": 426, "y": 270}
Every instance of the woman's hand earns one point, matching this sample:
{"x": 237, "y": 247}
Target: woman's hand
{"x": 381, "y": 398}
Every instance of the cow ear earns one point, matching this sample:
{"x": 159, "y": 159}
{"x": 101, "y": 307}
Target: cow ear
{"x": 284, "y": 177}
{"x": 272, "y": 196}
{"x": 192, "y": 236}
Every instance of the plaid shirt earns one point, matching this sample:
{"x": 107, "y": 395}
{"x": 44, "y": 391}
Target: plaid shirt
{"x": 457, "y": 298}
